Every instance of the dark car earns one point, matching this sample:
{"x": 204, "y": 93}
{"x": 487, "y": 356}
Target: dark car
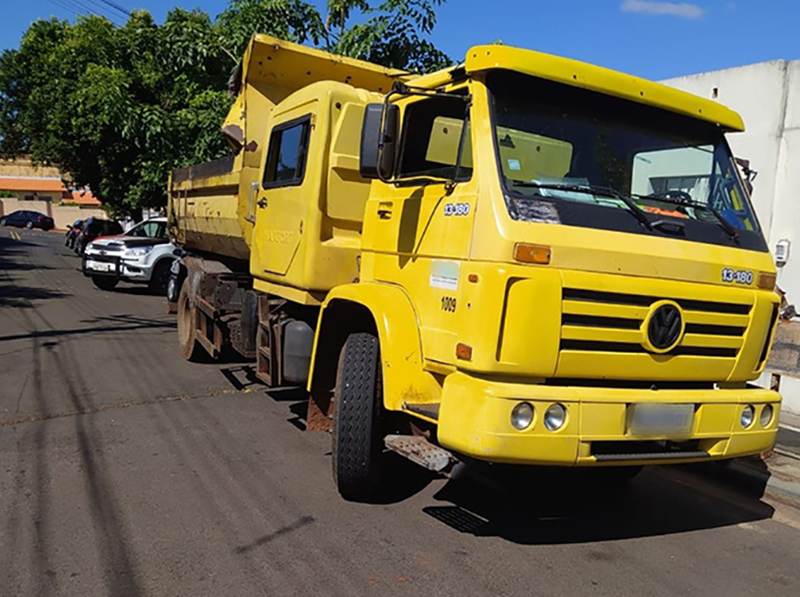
{"x": 24, "y": 218}
{"x": 93, "y": 228}
{"x": 73, "y": 230}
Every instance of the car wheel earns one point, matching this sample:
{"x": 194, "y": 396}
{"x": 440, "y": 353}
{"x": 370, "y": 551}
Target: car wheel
{"x": 160, "y": 277}
{"x": 358, "y": 395}
{"x": 29, "y": 225}
{"x": 105, "y": 282}
{"x": 187, "y": 325}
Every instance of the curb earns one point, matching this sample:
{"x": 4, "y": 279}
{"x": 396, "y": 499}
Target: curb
{"x": 775, "y": 477}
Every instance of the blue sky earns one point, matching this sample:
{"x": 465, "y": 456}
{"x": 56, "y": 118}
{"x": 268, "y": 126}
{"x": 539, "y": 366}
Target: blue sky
{"x": 654, "y": 39}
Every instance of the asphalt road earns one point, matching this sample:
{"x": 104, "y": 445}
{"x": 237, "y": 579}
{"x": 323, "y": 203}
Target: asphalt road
{"x": 126, "y": 471}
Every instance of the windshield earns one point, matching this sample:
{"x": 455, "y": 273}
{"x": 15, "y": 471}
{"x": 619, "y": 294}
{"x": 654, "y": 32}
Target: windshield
{"x": 576, "y": 157}
{"x": 149, "y": 229}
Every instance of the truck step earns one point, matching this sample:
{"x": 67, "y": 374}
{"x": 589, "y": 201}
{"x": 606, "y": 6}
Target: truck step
{"x": 420, "y": 451}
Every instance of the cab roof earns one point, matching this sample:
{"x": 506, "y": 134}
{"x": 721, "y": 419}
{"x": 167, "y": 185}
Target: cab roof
{"x": 595, "y": 78}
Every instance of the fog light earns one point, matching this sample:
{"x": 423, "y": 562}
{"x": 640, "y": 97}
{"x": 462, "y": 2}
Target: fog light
{"x": 555, "y": 417}
{"x": 766, "y": 415}
{"x": 748, "y": 415}
{"x": 522, "y": 416}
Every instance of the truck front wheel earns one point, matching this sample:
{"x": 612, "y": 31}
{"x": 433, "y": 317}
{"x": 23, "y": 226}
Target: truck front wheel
{"x": 358, "y": 397}
{"x": 187, "y": 324}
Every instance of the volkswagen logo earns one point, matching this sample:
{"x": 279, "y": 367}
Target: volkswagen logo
{"x": 664, "y": 327}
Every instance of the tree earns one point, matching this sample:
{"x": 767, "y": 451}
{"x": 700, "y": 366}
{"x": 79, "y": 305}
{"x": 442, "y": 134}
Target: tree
{"x": 394, "y": 33}
{"x": 119, "y": 107}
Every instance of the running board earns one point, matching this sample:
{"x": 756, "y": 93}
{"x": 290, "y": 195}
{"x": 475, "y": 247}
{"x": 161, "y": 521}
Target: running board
{"x": 420, "y": 451}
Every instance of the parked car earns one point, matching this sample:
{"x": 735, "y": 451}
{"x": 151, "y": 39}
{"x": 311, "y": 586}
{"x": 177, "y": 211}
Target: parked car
{"x": 72, "y": 233}
{"x": 95, "y": 228}
{"x": 144, "y": 255}
{"x": 24, "y": 218}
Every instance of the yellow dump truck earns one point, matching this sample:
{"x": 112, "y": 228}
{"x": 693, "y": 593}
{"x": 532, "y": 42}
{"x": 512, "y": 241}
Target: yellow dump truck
{"x": 520, "y": 259}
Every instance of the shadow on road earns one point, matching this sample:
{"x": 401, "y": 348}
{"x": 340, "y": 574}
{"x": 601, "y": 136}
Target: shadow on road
{"x": 12, "y": 295}
{"x": 113, "y": 323}
{"x": 562, "y": 507}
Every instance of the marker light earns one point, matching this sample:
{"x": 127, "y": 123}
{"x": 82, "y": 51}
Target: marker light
{"x": 526, "y": 253}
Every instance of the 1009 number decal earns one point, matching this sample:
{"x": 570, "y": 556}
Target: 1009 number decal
{"x": 741, "y": 276}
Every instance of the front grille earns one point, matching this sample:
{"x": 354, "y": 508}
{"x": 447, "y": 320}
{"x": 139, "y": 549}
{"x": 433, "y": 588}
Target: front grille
{"x": 102, "y": 258}
{"x": 610, "y": 451}
{"x": 611, "y": 322}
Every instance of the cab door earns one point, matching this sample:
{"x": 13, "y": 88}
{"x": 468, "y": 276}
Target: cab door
{"x": 280, "y": 206}
{"x": 420, "y": 227}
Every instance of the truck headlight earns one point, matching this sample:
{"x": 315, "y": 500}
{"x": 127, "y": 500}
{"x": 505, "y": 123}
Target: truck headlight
{"x": 766, "y": 415}
{"x": 522, "y": 416}
{"x": 555, "y": 416}
{"x": 748, "y": 415}
{"x": 138, "y": 251}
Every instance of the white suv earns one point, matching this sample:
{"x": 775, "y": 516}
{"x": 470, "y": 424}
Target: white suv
{"x": 143, "y": 255}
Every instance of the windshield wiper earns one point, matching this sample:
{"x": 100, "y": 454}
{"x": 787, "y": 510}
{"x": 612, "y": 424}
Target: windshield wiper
{"x": 725, "y": 224}
{"x": 634, "y": 209}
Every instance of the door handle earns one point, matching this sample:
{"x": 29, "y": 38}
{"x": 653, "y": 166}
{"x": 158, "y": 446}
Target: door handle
{"x": 262, "y": 203}
{"x": 385, "y": 211}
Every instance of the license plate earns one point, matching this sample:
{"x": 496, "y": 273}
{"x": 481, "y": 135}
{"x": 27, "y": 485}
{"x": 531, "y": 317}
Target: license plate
{"x": 100, "y": 267}
{"x": 661, "y": 419}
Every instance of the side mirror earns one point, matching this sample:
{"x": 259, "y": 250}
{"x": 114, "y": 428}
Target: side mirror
{"x": 69, "y": 226}
{"x": 379, "y": 135}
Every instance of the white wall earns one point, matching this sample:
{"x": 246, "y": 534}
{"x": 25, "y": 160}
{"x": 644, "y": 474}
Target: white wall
{"x": 767, "y": 95}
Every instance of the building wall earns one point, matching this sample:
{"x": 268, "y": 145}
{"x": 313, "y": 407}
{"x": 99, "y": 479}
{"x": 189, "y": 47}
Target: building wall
{"x": 24, "y": 167}
{"x": 62, "y": 214}
{"x": 40, "y": 196}
{"x": 767, "y": 95}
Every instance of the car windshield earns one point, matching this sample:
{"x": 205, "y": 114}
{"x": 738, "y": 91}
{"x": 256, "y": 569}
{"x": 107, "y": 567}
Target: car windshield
{"x": 149, "y": 229}
{"x": 567, "y": 154}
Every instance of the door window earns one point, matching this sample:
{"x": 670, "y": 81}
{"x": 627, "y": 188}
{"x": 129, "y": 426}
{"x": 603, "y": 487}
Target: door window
{"x": 436, "y": 139}
{"x": 288, "y": 150}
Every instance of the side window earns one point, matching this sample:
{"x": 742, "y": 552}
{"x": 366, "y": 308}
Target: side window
{"x": 288, "y": 150}
{"x": 435, "y": 132}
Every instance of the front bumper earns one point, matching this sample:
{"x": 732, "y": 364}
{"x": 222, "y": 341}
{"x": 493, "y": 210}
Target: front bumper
{"x": 117, "y": 267}
{"x": 475, "y": 420}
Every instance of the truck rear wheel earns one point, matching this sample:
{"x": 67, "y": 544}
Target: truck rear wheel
{"x": 358, "y": 396}
{"x": 187, "y": 324}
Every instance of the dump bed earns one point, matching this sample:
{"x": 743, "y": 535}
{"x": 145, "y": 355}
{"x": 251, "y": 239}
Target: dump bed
{"x": 211, "y": 205}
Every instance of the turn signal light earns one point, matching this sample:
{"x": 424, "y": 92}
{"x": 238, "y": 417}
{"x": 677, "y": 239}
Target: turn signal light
{"x": 464, "y": 351}
{"x": 766, "y": 280}
{"x": 525, "y": 253}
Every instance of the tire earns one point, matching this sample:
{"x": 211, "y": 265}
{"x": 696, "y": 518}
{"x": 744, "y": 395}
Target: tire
{"x": 187, "y": 327}
{"x": 105, "y": 282}
{"x": 160, "y": 277}
{"x": 358, "y": 398}
{"x": 29, "y": 225}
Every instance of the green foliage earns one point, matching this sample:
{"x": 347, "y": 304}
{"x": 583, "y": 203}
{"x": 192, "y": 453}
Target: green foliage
{"x": 393, "y": 33}
{"x": 119, "y": 107}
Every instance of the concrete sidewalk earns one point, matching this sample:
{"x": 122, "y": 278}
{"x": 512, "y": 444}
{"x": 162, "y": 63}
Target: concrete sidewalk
{"x": 774, "y": 475}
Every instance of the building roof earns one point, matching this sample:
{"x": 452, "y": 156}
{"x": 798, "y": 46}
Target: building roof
{"x": 83, "y": 198}
{"x": 33, "y": 184}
